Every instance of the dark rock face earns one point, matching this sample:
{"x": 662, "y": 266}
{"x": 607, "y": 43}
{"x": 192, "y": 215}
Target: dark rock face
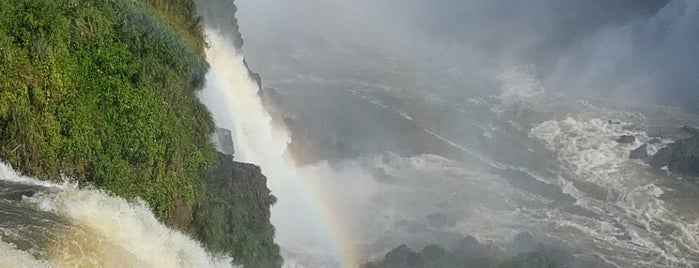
{"x": 402, "y": 256}
{"x": 223, "y": 139}
{"x": 233, "y": 215}
{"x": 468, "y": 252}
{"x": 626, "y": 139}
{"x": 640, "y": 153}
{"x": 655, "y": 141}
{"x": 682, "y": 156}
{"x": 691, "y": 130}
{"x": 524, "y": 242}
{"x": 661, "y": 158}
{"x": 685, "y": 156}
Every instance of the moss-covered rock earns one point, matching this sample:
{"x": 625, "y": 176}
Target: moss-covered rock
{"x": 233, "y": 215}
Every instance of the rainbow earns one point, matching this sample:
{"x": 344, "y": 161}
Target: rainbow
{"x": 332, "y": 220}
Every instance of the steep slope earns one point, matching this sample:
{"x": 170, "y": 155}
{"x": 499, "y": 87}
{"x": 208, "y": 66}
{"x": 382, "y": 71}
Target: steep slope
{"x": 104, "y": 93}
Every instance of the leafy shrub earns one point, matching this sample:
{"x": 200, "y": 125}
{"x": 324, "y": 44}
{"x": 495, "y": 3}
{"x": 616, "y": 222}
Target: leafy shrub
{"x": 105, "y": 92}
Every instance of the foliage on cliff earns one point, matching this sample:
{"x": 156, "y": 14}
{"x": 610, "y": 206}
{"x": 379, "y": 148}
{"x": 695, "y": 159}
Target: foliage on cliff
{"x": 105, "y": 92}
{"x": 233, "y": 214}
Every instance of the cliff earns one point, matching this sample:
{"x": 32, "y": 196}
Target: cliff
{"x": 233, "y": 215}
{"x": 104, "y": 92}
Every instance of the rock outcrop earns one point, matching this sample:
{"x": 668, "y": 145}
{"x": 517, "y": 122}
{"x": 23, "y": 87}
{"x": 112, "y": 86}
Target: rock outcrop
{"x": 626, "y": 139}
{"x": 684, "y": 156}
{"x": 223, "y": 140}
{"x": 681, "y": 156}
{"x": 525, "y": 251}
{"x": 233, "y": 215}
{"x": 640, "y": 153}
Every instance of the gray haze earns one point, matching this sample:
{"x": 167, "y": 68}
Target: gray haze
{"x": 643, "y": 51}
{"x": 425, "y": 121}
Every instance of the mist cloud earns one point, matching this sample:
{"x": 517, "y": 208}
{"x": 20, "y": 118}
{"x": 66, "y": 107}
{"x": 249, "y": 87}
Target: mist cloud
{"x": 644, "y": 51}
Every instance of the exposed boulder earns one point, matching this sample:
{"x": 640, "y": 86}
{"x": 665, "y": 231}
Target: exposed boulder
{"x": 468, "y": 252}
{"x": 223, "y": 139}
{"x": 524, "y": 242}
{"x": 661, "y": 158}
{"x": 681, "y": 156}
{"x": 691, "y": 130}
{"x": 640, "y": 153}
{"x": 655, "y": 141}
{"x": 402, "y": 256}
{"x": 685, "y": 156}
{"x": 434, "y": 256}
{"x": 626, "y": 139}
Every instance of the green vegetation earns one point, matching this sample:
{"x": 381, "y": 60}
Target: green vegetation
{"x": 233, "y": 214}
{"x": 105, "y": 93}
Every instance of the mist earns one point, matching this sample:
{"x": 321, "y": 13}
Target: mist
{"x": 632, "y": 51}
{"x": 424, "y": 122}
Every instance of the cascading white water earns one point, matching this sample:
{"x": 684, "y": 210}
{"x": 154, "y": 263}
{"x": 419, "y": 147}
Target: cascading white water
{"x": 232, "y": 97}
{"x": 94, "y": 229}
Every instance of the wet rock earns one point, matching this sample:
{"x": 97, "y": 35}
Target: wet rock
{"x": 468, "y": 244}
{"x": 403, "y": 256}
{"x": 682, "y": 156}
{"x": 233, "y": 215}
{"x": 640, "y": 153}
{"x": 469, "y": 253}
{"x": 17, "y": 195}
{"x": 655, "y": 141}
{"x": 435, "y": 256}
{"x": 685, "y": 156}
{"x": 626, "y": 139}
{"x": 524, "y": 242}
{"x": 661, "y": 158}
{"x": 691, "y": 130}
{"x": 223, "y": 140}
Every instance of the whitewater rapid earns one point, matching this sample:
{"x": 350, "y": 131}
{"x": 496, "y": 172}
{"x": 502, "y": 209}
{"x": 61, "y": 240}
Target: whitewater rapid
{"x": 45, "y": 224}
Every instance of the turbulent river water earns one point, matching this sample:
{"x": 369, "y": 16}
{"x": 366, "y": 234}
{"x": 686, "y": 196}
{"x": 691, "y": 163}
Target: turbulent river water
{"x": 516, "y": 162}
{"x": 397, "y": 165}
{"x": 433, "y": 160}
{"x": 59, "y": 225}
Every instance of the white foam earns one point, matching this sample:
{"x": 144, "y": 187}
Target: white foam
{"x": 589, "y": 150}
{"x": 518, "y": 87}
{"x": 129, "y": 227}
{"x": 106, "y": 231}
{"x": 12, "y": 257}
